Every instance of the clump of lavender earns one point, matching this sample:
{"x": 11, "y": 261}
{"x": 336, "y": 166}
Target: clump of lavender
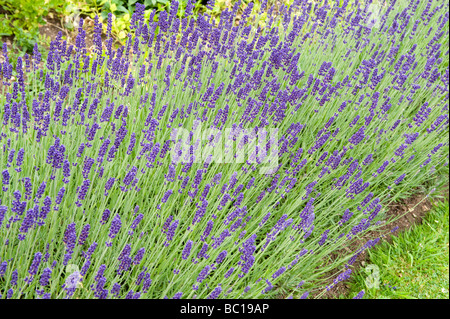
{"x": 224, "y": 156}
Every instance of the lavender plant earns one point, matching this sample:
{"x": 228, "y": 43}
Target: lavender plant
{"x": 350, "y": 104}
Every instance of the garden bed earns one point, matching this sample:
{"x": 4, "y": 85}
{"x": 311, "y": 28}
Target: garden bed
{"x": 347, "y": 137}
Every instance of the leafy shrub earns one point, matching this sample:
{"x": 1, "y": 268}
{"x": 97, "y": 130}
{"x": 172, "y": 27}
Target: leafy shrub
{"x": 23, "y": 17}
{"x": 121, "y": 11}
{"x": 102, "y": 197}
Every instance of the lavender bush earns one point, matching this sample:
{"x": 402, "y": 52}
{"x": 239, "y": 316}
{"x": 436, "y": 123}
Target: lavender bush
{"x": 343, "y": 104}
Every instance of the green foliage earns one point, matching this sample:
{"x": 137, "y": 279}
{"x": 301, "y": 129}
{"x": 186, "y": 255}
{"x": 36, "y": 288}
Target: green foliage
{"x": 121, "y": 10}
{"x": 22, "y": 19}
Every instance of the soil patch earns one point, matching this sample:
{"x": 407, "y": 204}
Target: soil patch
{"x": 406, "y": 212}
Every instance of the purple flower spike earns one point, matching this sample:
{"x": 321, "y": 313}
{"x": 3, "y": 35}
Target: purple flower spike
{"x": 116, "y": 224}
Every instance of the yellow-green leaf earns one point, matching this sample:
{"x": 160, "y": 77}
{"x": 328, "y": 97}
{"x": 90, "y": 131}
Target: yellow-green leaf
{"x": 122, "y": 34}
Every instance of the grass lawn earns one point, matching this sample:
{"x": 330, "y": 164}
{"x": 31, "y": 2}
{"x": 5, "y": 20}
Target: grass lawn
{"x": 413, "y": 266}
